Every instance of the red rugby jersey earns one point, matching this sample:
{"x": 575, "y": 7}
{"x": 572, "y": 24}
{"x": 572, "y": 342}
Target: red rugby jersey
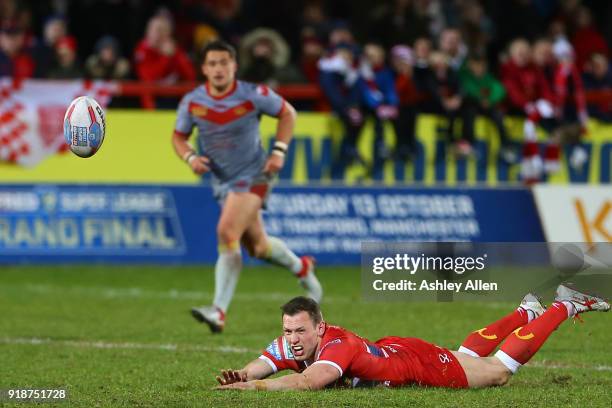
{"x": 390, "y": 361}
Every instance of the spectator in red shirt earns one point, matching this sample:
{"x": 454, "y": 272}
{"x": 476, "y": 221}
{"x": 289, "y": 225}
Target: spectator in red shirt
{"x": 586, "y": 39}
{"x": 14, "y": 60}
{"x": 529, "y": 93}
{"x": 158, "y": 57}
{"x": 543, "y": 58}
{"x": 312, "y": 51}
{"x": 570, "y": 107}
{"x": 570, "y": 101}
{"x": 402, "y": 61}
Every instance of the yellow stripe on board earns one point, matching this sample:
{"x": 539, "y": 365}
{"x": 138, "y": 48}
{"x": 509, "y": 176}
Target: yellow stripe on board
{"x": 137, "y": 149}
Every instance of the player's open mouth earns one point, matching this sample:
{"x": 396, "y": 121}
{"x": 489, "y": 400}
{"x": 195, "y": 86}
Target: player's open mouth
{"x": 297, "y": 350}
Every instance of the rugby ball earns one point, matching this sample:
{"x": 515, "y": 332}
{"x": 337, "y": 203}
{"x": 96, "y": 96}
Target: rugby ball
{"x": 84, "y": 126}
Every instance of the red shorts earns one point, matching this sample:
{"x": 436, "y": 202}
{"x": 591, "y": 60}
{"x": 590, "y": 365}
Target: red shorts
{"x": 429, "y": 365}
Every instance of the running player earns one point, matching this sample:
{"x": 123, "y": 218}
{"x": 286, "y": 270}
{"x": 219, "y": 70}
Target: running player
{"x": 226, "y": 113}
{"x": 324, "y": 355}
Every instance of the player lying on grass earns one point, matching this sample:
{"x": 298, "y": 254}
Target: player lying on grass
{"x": 323, "y": 355}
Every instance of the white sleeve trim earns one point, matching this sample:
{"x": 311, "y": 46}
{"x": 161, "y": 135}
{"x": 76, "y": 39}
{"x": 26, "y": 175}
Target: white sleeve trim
{"x": 331, "y": 363}
{"x": 270, "y": 363}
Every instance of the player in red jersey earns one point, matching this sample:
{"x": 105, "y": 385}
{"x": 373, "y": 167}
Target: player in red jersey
{"x": 323, "y": 355}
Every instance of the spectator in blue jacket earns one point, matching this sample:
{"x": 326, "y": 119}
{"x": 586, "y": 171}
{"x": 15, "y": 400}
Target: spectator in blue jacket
{"x": 338, "y": 77}
{"x": 378, "y": 94}
{"x": 598, "y": 76}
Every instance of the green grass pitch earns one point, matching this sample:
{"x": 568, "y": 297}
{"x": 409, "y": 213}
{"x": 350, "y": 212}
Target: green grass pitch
{"x": 123, "y": 336}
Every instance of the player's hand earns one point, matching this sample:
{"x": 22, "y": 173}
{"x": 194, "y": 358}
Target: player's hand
{"x": 237, "y": 386}
{"x": 199, "y": 164}
{"x": 228, "y": 377}
{"x": 274, "y": 164}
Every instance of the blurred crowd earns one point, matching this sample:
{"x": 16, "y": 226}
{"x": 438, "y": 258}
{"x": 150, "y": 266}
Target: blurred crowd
{"x": 387, "y": 60}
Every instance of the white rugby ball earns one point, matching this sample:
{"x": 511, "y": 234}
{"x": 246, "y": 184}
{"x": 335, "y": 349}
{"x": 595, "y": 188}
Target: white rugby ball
{"x": 84, "y": 126}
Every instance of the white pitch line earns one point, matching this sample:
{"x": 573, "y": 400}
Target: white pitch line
{"x": 175, "y": 294}
{"x": 135, "y": 292}
{"x": 99, "y": 344}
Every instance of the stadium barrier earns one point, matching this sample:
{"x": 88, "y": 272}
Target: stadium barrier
{"x": 137, "y": 149}
{"x": 176, "y": 224}
{"x": 148, "y": 92}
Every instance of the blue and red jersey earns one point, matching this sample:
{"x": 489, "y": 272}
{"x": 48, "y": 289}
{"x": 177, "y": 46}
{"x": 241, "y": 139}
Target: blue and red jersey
{"x": 228, "y": 127}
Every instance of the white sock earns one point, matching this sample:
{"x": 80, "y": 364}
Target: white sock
{"x": 227, "y": 271}
{"x": 510, "y": 363}
{"x": 280, "y": 254}
{"x": 467, "y": 351}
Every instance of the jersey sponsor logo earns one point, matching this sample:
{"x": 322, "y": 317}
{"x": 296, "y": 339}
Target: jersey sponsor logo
{"x": 221, "y": 117}
{"x": 274, "y": 350}
{"x": 198, "y": 110}
{"x": 523, "y": 337}
{"x": 486, "y": 336}
{"x": 79, "y": 135}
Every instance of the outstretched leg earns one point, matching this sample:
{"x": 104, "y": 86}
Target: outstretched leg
{"x": 276, "y": 252}
{"x": 482, "y": 342}
{"x": 527, "y": 340}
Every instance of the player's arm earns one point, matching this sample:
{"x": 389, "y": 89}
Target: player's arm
{"x": 180, "y": 138}
{"x": 198, "y": 164}
{"x": 255, "y": 370}
{"x": 315, "y": 377}
{"x": 284, "y": 133}
{"x": 286, "y": 123}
